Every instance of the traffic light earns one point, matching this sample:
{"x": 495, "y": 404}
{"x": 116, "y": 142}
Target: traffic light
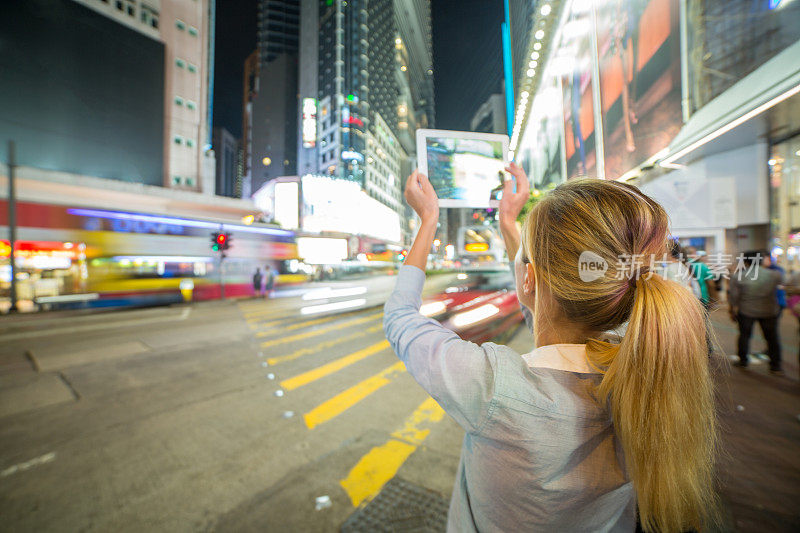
{"x": 221, "y": 241}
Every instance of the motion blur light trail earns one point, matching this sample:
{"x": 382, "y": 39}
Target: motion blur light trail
{"x": 335, "y": 306}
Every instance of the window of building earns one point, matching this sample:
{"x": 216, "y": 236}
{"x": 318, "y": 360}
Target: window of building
{"x": 178, "y": 140}
{"x": 180, "y": 24}
{"x": 119, "y": 5}
{"x": 191, "y": 105}
{"x": 178, "y": 101}
{"x": 192, "y": 31}
{"x": 180, "y": 63}
{"x": 154, "y": 22}
{"x": 177, "y": 180}
{"x": 192, "y": 68}
{"x": 190, "y": 143}
{"x": 131, "y": 10}
{"x": 189, "y": 182}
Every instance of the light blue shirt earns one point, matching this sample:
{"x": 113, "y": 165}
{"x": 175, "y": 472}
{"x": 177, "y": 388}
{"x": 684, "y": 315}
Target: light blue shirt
{"x": 539, "y": 453}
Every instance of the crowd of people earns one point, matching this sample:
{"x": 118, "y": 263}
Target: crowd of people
{"x": 758, "y": 291}
{"x": 263, "y": 283}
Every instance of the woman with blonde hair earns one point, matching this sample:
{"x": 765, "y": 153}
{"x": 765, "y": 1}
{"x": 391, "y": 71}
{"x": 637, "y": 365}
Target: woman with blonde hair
{"x": 579, "y": 434}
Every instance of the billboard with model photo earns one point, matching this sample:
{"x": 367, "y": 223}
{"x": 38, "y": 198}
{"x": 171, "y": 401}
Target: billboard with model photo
{"x": 640, "y": 88}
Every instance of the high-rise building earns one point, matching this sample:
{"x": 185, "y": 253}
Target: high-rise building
{"x": 98, "y": 114}
{"x": 226, "y": 149}
{"x": 250, "y": 89}
{"x": 186, "y": 31}
{"x": 374, "y": 88}
{"x": 413, "y": 18}
{"x": 491, "y": 116}
{"x": 271, "y": 136}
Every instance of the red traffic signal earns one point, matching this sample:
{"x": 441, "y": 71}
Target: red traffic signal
{"x": 220, "y": 241}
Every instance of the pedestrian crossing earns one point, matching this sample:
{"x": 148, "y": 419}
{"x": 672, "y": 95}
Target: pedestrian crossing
{"x": 314, "y": 332}
{"x": 326, "y": 367}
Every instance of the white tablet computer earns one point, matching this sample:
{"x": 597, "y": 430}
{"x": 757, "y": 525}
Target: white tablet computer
{"x": 466, "y": 169}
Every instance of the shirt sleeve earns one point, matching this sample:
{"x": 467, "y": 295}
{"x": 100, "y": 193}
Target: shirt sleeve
{"x": 458, "y": 374}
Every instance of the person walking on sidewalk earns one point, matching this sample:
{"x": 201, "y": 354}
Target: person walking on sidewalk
{"x": 580, "y": 433}
{"x": 770, "y": 263}
{"x": 753, "y": 298}
{"x": 705, "y": 278}
{"x": 258, "y": 288}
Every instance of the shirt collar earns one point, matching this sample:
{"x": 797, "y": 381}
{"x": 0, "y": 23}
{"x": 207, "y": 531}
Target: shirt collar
{"x": 568, "y": 357}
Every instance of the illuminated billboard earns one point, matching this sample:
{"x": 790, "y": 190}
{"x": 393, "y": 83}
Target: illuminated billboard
{"x": 286, "y": 204}
{"x": 574, "y": 65}
{"x": 640, "y": 86}
{"x": 321, "y": 250}
{"x": 309, "y": 122}
{"x": 541, "y": 147}
{"x": 338, "y": 205}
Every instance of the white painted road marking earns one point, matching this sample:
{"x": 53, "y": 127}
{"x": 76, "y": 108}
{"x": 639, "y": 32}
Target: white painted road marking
{"x": 36, "y": 461}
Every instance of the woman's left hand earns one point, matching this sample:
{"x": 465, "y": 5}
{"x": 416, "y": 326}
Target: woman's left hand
{"x": 421, "y": 197}
{"x": 512, "y": 202}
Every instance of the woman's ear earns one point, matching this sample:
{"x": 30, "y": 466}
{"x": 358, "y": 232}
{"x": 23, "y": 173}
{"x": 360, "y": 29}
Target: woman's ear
{"x": 529, "y": 283}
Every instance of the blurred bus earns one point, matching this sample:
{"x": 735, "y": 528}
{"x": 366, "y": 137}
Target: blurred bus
{"x": 78, "y": 257}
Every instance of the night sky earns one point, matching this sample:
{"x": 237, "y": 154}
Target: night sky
{"x": 467, "y": 58}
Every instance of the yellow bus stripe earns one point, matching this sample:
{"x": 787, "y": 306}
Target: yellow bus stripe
{"x": 334, "y": 366}
{"x": 382, "y": 463}
{"x": 317, "y": 332}
{"x": 345, "y": 400}
{"x": 323, "y": 345}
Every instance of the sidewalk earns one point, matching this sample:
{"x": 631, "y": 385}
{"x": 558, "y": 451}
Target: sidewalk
{"x": 759, "y": 463}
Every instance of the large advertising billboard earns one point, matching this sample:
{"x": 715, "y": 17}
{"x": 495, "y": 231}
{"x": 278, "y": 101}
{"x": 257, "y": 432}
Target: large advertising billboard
{"x": 640, "y": 88}
{"x": 540, "y": 150}
{"x": 340, "y": 205}
{"x": 638, "y": 69}
{"x": 574, "y": 64}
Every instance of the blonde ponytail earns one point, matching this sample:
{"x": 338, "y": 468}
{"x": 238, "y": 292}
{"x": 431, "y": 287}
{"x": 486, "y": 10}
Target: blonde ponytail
{"x": 657, "y": 380}
{"x": 662, "y": 402}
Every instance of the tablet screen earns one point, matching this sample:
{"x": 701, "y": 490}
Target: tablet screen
{"x": 464, "y": 171}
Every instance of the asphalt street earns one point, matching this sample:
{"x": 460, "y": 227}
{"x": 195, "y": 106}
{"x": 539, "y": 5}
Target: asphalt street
{"x": 224, "y": 416}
